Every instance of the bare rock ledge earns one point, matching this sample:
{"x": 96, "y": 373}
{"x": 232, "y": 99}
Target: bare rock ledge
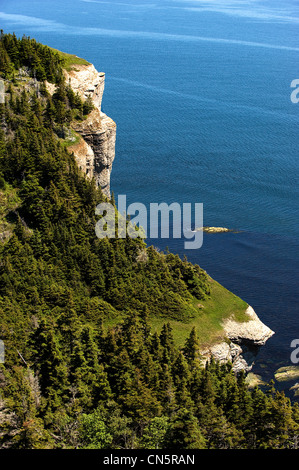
{"x": 242, "y": 344}
{"x": 95, "y": 152}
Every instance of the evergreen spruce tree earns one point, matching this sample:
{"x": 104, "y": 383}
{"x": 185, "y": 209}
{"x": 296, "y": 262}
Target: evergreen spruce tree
{"x": 184, "y": 432}
{"x": 83, "y": 367}
{"x": 191, "y": 349}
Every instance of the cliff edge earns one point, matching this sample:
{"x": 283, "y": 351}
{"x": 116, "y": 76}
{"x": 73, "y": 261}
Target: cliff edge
{"x": 95, "y": 150}
{"x": 243, "y": 340}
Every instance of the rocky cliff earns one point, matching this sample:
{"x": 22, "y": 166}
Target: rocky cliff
{"x": 243, "y": 340}
{"x": 95, "y": 150}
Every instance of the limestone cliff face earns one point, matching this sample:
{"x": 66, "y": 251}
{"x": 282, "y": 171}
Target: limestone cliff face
{"x": 243, "y": 342}
{"x": 96, "y": 154}
{"x": 95, "y": 151}
{"x": 87, "y": 81}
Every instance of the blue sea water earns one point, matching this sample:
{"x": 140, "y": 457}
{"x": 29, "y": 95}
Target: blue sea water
{"x": 200, "y": 91}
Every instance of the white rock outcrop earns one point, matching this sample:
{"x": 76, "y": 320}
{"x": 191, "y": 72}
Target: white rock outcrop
{"x": 98, "y": 130}
{"x": 96, "y": 154}
{"x": 87, "y": 82}
{"x": 243, "y": 340}
{"x": 252, "y": 331}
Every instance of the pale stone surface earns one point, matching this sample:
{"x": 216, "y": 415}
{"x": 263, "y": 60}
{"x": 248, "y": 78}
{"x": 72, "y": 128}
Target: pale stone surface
{"x": 87, "y": 81}
{"x": 287, "y": 373}
{"x": 225, "y": 352}
{"x": 215, "y": 230}
{"x": 252, "y": 330}
{"x": 242, "y": 344}
{"x": 254, "y": 380}
{"x": 50, "y": 87}
{"x": 98, "y": 131}
{"x": 84, "y": 156}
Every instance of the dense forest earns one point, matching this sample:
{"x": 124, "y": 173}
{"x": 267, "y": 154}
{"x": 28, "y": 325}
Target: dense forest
{"x": 83, "y": 367}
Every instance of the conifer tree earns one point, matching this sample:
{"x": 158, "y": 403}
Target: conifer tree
{"x": 51, "y": 365}
{"x": 191, "y": 349}
{"x": 184, "y": 432}
{"x": 166, "y": 340}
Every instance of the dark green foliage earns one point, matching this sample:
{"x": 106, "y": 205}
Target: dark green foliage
{"x": 66, "y": 105}
{"x": 69, "y": 381}
{"x": 42, "y": 62}
{"x": 87, "y": 106}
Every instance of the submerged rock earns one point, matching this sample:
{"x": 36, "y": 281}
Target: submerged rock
{"x": 254, "y": 380}
{"x": 295, "y": 389}
{"x": 287, "y": 373}
{"x": 215, "y": 229}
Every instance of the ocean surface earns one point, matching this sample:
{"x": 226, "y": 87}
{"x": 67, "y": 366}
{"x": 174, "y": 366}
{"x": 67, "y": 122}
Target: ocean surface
{"x": 201, "y": 94}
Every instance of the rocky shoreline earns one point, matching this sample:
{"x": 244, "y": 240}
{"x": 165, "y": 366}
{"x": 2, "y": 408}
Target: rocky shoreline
{"x": 242, "y": 343}
{"x": 95, "y": 152}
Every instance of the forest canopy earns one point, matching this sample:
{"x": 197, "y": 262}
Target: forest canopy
{"x": 84, "y": 367}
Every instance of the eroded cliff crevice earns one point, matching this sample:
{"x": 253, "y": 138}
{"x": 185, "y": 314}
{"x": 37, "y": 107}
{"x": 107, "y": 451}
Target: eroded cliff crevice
{"x": 99, "y": 134}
